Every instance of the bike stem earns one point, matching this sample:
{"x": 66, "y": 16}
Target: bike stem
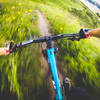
{"x": 53, "y": 67}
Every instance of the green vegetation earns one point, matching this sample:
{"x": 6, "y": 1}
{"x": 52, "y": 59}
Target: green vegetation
{"x": 18, "y": 21}
{"x": 22, "y": 70}
{"x": 79, "y": 59}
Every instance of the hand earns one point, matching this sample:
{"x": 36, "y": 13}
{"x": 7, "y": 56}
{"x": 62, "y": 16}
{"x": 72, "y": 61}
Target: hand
{"x": 4, "y": 51}
{"x": 84, "y": 33}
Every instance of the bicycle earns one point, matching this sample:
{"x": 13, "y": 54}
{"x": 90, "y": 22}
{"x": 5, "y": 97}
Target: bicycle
{"x": 51, "y": 53}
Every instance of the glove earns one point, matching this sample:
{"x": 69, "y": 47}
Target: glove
{"x": 12, "y": 47}
{"x": 84, "y": 33}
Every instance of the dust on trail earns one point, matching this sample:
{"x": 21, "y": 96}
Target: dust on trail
{"x": 44, "y": 31}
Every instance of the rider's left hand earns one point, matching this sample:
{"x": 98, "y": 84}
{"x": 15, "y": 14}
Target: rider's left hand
{"x": 4, "y": 51}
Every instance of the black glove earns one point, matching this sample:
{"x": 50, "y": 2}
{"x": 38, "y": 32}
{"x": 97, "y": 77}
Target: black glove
{"x": 84, "y": 33}
{"x": 12, "y": 47}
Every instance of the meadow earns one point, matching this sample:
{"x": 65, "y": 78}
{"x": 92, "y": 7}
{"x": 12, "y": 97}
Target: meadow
{"x": 79, "y": 59}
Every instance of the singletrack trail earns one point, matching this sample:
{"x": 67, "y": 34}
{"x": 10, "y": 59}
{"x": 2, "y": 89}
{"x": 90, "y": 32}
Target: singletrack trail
{"x": 44, "y": 31}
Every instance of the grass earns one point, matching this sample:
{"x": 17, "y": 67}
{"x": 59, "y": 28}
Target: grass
{"x": 79, "y": 59}
{"x": 18, "y": 21}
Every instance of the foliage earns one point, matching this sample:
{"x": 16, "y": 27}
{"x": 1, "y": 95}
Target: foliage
{"x": 79, "y": 59}
{"x": 18, "y": 22}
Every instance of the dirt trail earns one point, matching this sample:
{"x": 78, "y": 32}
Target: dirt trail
{"x": 44, "y": 31}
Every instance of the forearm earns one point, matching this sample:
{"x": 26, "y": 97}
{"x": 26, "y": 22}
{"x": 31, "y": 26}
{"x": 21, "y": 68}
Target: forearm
{"x": 95, "y": 32}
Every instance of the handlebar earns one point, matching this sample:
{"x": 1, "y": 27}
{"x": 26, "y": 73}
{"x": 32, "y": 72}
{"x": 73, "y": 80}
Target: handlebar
{"x": 84, "y": 33}
{"x": 72, "y": 37}
{"x": 76, "y": 36}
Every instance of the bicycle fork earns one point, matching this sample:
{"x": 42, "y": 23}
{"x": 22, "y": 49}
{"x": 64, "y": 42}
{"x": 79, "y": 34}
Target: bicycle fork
{"x": 53, "y": 66}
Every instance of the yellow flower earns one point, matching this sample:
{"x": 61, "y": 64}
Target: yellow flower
{"x": 18, "y": 30}
{"x": 61, "y": 28}
{"x": 13, "y": 17}
{"x": 13, "y": 7}
{"x": 30, "y": 10}
{"x": 18, "y": 12}
{"x": 20, "y": 3}
{"x": 8, "y": 19}
{"x": 86, "y": 40}
{"x": 26, "y": 11}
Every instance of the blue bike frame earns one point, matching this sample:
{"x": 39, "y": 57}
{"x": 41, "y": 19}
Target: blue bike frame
{"x": 53, "y": 66}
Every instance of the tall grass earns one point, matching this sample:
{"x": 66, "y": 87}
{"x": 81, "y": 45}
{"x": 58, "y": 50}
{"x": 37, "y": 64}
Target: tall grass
{"x": 79, "y": 59}
{"x": 18, "y": 21}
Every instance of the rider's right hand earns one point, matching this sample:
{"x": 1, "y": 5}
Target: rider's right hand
{"x": 84, "y": 33}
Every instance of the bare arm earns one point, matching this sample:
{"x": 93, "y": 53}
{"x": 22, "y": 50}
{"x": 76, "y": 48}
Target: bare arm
{"x": 95, "y": 32}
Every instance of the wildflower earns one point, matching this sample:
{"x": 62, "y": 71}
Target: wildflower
{"x": 18, "y": 12}
{"x": 30, "y": 10}
{"x": 86, "y": 40}
{"x": 26, "y": 11}
{"x": 18, "y": 30}
{"x": 8, "y": 19}
{"x": 61, "y": 28}
{"x": 13, "y": 17}
{"x": 13, "y": 7}
{"x": 20, "y": 4}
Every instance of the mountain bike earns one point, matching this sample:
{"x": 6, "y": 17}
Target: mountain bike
{"x": 51, "y": 53}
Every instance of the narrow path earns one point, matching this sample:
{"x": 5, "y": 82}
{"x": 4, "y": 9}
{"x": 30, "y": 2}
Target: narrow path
{"x": 44, "y": 31}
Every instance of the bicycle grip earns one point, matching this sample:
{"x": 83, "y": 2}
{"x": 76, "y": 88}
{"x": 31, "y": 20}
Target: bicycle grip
{"x": 84, "y": 33}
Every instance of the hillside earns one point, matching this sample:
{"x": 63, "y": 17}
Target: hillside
{"x": 77, "y": 58}
{"x": 21, "y": 72}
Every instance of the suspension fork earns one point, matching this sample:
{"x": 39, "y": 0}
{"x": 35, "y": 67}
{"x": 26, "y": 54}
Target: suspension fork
{"x": 53, "y": 67}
